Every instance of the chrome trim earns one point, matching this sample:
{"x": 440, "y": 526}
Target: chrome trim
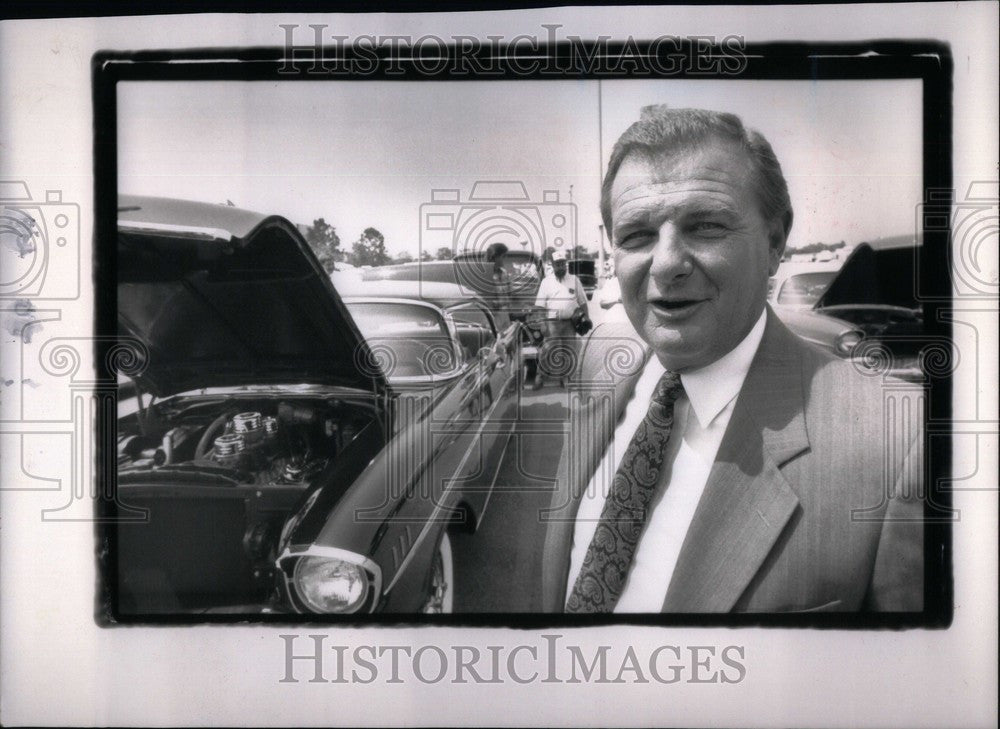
{"x": 429, "y": 379}
{"x": 493, "y": 485}
{"x": 187, "y": 231}
{"x": 840, "y": 339}
{"x": 511, "y": 381}
{"x": 349, "y": 299}
{"x": 344, "y": 555}
{"x": 482, "y": 308}
{"x": 362, "y": 299}
{"x": 278, "y": 391}
{"x": 438, "y": 507}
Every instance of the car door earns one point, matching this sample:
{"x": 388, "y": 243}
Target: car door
{"x": 493, "y": 355}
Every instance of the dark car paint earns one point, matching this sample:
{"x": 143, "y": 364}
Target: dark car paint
{"x": 585, "y": 269}
{"x": 362, "y": 502}
{"x": 243, "y": 291}
{"x": 467, "y": 419}
{"x": 875, "y": 291}
{"x": 469, "y": 270}
{"x": 819, "y": 330}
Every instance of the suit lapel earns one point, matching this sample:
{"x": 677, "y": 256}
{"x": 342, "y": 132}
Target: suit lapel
{"x": 747, "y": 500}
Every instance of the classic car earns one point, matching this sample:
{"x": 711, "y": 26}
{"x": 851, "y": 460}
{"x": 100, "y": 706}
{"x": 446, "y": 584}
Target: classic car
{"x": 826, "y": 332}
{"x": 869, "y": 311}
{"x": 585, "y": 269}
{"x": 524, "y": 269}
{"x": 798, "y": 285}
{"x": 293, "y": 453}
{"x": 471, "y": 272}
{"x": 875, "y": 291}
{"x": 430, "y": 271}
{"x": 473, "y": 277}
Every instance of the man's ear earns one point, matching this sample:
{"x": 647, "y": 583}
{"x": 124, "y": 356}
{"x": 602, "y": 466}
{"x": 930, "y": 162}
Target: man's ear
{"x": 777, "y": 236}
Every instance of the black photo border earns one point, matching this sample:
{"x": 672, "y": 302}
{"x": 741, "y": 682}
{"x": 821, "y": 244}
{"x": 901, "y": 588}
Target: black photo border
{"x": 929, "y": 61}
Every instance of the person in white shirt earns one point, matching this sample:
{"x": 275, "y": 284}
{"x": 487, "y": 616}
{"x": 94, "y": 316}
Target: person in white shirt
{"x": 715, "y": 462}
{"x": 560, "y": 295}
{"x": 610, "y": 297}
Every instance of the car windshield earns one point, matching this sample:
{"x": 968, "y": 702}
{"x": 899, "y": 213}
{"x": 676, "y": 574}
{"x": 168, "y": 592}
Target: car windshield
{"x": 520, "y": 268}
{"x": 406, "y": 340}
{"x": 805, "y": 288}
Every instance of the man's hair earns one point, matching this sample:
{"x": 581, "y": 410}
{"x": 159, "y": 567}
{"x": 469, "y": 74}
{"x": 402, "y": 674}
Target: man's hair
{"x": 494, "y": 251}
{"x": 662, "y": 131}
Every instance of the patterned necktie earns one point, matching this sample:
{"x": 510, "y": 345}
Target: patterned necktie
{"x": 609, "y": 556}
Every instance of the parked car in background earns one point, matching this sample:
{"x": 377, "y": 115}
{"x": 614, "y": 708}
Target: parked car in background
{"x": 585, "y": 269}
{"x": 431, "y": 271}
{"x": 798, "y": 285}
{"x": 869, "y": 310}
{"x": 875, "y": 291}
{"x": 524, "y": 269}
{"x": 826, "y": 332}
{"x": 295, "y": 451}
{"x": 472, "y": 272}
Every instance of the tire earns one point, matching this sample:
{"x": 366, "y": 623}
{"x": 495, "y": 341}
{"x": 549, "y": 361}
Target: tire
{"x": 441, "y": 597}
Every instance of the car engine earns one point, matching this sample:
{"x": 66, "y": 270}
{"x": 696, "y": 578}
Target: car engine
{"x": 216, "y": 479}
{"x": 260, "y": 442}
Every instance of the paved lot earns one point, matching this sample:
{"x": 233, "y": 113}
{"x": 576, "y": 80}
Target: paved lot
{"x": 498, "y": 569}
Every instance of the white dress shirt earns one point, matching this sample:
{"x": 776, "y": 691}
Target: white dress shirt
{"x": 709, "y": 394}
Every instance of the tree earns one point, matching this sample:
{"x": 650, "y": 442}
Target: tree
{"x": 403, "y": 257}
{"x": 817, "y": 247}
{"x": 369, "y": 249}
{"x": 323, "y": 239}
{"x": 426, "y": 256}
{"x": 445, "y": 253}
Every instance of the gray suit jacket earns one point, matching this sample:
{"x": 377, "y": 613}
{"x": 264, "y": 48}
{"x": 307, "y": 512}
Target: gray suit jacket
{"x": 814, "y": 502}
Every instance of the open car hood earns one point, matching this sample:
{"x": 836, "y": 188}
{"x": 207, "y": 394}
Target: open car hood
{"x": 878, "y": 274}
{"x": 226, "y": 297}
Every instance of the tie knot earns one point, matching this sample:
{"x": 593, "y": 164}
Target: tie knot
{"x": 668, "y": 389}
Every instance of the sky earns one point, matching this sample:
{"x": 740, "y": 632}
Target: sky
{"x": 374, "y": 153}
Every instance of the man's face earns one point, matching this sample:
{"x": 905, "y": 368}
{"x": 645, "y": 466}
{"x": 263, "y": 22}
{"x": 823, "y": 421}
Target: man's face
{"x": 692, "y": 251}
{"x": 559, "y": 268}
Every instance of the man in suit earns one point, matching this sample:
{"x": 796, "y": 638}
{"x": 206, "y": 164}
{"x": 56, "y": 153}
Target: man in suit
{"x": 715, "y": 462}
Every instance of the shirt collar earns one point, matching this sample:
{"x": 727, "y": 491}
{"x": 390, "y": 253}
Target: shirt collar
{"x": 711, "y": 388}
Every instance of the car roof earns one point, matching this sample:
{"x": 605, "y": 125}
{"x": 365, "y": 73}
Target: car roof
{"x": 481, "y": 255}
{"x": 792, "y": 268}
{"x": 907, "y": 240}
{"x": 418, "y": 265}
{"x": 440, "y": 294}
{"x": 188, "y": 214}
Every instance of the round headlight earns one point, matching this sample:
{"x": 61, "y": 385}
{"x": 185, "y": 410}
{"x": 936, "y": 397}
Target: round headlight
{"x": 847, "y": 341}
{"x": 331, "y": 585}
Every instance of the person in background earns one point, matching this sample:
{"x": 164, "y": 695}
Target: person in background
{"x": 501, "y": 300}
{"x": 559, "y": 295}
{"x": 610, "y": 297}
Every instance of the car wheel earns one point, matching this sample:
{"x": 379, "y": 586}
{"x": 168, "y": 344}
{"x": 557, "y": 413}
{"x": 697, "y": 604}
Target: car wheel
{"x": 442, "y": 590}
